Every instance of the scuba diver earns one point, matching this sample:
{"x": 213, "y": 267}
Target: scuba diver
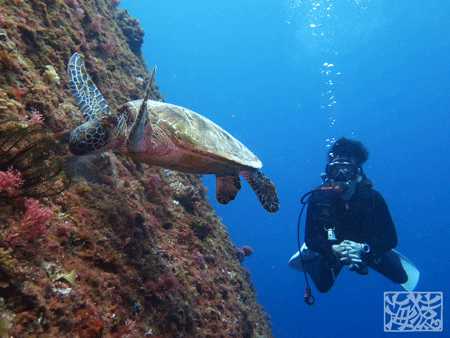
{"x": 348, "y": 223}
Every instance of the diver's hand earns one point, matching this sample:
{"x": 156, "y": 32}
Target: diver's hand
{"x": 349, "y": 252}
{"x": 361, "y": 248}
{"x": 346, "y": 255}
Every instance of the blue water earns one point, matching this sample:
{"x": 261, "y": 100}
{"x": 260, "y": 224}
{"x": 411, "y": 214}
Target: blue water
{"x": 285, "y": 78}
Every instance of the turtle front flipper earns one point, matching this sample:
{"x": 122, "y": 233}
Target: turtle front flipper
{"x": 264, "y": 189}
{"x": 86, "y": 94}
{"x": 227, "y": 187}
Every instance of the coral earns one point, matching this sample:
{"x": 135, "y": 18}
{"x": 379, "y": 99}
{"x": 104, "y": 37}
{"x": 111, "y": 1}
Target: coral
{"x": 188, "y": 196}
{"x": 134, "y": 34}
{"x": 239, "y": 253}
{"x": 127, "y": 330}
{"x": 243, "y": 252}
{"x": 50, "y": 75}
{"x": 10, "y": 179}
{"x": 166, "y": 284}
{"x": 113, "y": 3}
{"x": 96, "y": 24}
{"x": 32, "y": 225}
{"x": 110, "y": 46}
{"x": 89, "y": 323}
{"x": 247, "y": 250}
{"x": 6, "y": 259}
{"x": 3, "y": 22}
{"x": 36, "y": 117}
{"x": 72, "y": 3}
{"x": 201, "y": 229}
{"x": 198, "y": 258}
{"x": 7, "y": 60}
{"x": 153, "y": 182}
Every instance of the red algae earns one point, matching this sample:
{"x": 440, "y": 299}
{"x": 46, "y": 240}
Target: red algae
{"x": 127, "y": 250}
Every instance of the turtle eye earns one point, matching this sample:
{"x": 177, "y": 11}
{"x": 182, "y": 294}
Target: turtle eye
{"x": 81, "y": 146}
{"x": 78, "y": 146}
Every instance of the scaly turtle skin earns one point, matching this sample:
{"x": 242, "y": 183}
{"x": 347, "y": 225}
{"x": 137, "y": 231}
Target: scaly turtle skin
{"x": 165, "y": 135}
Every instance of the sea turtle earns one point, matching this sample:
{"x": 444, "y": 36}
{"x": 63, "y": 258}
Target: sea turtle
{"x": 165, "y": 135}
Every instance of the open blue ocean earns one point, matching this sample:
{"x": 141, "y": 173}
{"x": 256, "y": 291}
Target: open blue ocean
{"x": 286, "y": 78}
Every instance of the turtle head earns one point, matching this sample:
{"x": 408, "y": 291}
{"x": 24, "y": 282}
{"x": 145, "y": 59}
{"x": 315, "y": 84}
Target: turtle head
{"x": 93, "y": 137}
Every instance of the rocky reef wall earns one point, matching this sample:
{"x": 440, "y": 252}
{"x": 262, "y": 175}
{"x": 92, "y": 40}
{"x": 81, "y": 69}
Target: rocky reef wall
{"x": 110, "y": 247}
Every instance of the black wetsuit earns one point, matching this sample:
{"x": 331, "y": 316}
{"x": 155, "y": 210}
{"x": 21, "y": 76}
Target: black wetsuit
{"x": 364, "y": 218}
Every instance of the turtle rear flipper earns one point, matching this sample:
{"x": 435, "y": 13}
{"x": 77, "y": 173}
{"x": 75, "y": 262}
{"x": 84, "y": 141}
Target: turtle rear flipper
{"x": 86, "y": 94}
{"x": 264, "y": 189}
{"x": 227, "y": 187}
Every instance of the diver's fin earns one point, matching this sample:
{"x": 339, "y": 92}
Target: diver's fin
{"x": 399, "y": 269}
{"x": 296, "y": 262}
{"x": 412, "y": 272}
{"x": 308, "y": 256}
{"x": 227, "y": 187}
{"x": 264, "y": 189}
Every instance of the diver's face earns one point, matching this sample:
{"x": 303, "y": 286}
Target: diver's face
{"x": 345, "y": 173}
{"x": 342, "y": 171}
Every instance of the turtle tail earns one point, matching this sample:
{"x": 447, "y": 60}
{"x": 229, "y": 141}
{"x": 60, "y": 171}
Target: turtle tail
{"x": 264, "y": 189}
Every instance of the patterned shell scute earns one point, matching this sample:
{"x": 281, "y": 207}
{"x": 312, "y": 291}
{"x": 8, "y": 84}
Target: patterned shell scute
{"x": 196, "y": 132}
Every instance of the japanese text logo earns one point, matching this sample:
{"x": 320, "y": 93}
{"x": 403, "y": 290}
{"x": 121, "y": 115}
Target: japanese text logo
{"x": 413, "y": 311}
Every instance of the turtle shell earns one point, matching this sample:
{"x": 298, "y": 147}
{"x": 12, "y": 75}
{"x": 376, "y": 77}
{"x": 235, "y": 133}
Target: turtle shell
{"x": 201, "y": 145}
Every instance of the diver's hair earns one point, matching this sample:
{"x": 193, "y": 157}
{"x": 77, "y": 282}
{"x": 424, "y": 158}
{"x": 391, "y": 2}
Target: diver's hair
{"x": 348, "y": 149}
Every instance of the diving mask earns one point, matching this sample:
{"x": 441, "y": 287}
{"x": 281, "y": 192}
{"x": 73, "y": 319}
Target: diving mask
{"x": 342, "y": 171}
